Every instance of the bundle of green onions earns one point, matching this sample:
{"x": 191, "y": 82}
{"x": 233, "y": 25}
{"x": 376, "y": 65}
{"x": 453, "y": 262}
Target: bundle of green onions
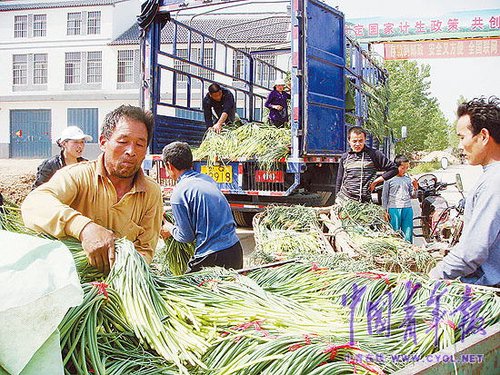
{"x": 264, "y": 143}
{"x": 372, "y": 237}
{"x": 286, "y": 232}
{"x": 96, "y": 338}
{"x": 297, "y": 218}
{"x": 362, "y": 216}
{"x": 156, "y": 322}
{"x": 173, "y": 256}
{"x": 392, "y": 253}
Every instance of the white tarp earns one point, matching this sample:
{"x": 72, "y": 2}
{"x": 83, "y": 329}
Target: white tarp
{"x": 38, "y": 284}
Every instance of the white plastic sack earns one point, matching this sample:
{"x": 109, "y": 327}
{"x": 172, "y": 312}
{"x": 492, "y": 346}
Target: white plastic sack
{"x": 39, "y": 283}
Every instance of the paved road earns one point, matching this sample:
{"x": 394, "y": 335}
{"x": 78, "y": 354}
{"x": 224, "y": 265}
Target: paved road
{"x": 247, "y": 242}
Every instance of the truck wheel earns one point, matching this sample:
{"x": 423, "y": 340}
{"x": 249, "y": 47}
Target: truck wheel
{"x": 306, "y": 199}
{"x": 327, "y": 198}
{"x": 243, "y": 219}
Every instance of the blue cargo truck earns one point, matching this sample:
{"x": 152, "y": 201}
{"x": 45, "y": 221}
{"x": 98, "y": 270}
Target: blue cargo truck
{"x": 179, "y": 62}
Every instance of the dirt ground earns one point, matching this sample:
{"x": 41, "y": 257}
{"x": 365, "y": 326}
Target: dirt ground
{"x": 17, "y": 177}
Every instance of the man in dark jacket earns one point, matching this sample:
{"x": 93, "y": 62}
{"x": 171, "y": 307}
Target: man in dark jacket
{"x": 358, "y": 168}
{"x": 222, "y": 102}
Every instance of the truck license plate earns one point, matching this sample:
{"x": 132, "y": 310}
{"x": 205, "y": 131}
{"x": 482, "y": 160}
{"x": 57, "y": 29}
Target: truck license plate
{"x": 222, "y": 174}
{"x": 269, "y": 176}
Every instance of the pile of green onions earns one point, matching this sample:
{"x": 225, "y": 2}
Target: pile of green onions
{"x": 287, "y": 232}
{"x": 264, "y": 143}
{"x": 372, "y": 237}
{"x": 155, "y": 321}
{"x": 295, "y": 318}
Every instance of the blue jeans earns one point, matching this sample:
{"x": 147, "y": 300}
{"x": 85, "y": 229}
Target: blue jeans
{"x": 402, "y": 221}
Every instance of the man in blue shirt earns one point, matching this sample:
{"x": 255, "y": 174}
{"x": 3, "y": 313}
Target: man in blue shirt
{"x": 201, "y": 213}
{"x": 476, "y": 257}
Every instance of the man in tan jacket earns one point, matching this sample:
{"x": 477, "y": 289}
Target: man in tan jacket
{"x": 98, "y": 201}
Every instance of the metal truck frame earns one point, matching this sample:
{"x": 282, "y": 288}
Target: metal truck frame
{"x": 176, "y": 75}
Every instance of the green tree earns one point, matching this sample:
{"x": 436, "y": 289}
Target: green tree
{"x": 412, "y": 105}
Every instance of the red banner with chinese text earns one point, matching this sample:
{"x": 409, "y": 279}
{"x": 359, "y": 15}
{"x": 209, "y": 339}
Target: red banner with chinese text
{"x": 442, "y": 49}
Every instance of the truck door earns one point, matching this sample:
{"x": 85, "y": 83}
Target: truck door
{"x": 322, "y": 84}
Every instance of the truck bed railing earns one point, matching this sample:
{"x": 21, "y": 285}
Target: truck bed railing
{"x": 364, "y": 73}
{"x": 188, "y": 61}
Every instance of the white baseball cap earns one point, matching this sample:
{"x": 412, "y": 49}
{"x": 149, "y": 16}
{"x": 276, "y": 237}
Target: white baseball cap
{"x": 74, "y": 133}
{"x": 279, "y": 81}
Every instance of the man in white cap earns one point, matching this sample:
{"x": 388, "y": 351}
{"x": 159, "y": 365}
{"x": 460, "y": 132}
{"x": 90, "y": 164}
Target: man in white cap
{"x": 277, "y": 102}
{"x": 100, "y": 200}
{"x": 72, "y": 143}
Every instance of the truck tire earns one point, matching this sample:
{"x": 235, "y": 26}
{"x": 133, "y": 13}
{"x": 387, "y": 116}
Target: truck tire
{"x": 243, "y": 219}
{"x": 306, "y": 199}
{"x": 327, "y": 198}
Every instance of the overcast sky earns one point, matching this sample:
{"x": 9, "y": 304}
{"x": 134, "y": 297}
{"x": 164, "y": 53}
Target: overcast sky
{"x": 450, "y": 78}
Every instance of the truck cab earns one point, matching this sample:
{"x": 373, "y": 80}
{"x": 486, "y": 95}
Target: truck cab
{"x": 332, "y": 84}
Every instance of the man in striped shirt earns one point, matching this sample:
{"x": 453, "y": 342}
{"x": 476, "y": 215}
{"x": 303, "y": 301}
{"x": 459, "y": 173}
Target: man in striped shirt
{"x": 358, "y": 168}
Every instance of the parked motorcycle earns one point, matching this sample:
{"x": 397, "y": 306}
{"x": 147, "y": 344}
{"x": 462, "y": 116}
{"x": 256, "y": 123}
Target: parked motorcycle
{"x": 438, "y": 220}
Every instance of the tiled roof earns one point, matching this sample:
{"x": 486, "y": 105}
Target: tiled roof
{"x": 228, "y": 30}
{"x": 59, "y": 4}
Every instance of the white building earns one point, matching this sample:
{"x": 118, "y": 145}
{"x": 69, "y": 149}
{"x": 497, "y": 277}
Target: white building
{"x": 59, "y": 70}
{"x": 71, "y": 62}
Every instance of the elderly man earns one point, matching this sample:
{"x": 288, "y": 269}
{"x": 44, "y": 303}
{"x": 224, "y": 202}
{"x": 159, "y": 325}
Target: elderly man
{"x": 98, "y": 201}
{"x": 358, "y": 167}
{"x": 476, "y": 257}
{"x": 201, "y": 213}
{"x": 221, "y": 101}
